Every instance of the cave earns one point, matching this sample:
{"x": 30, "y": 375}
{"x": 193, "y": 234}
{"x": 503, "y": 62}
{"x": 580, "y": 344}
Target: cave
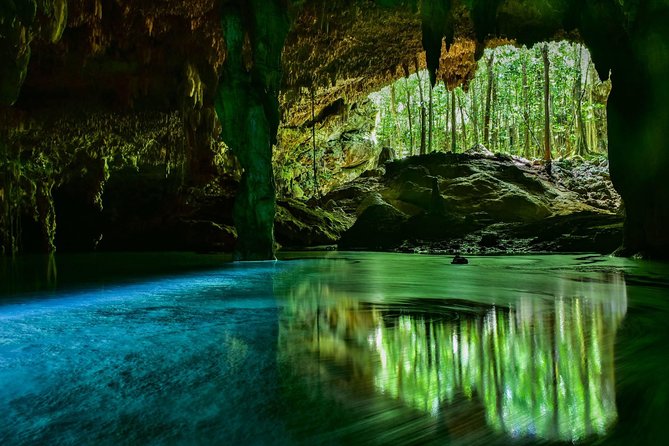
{"x": 158, "y": 157}
{"x": 162, "y": 94}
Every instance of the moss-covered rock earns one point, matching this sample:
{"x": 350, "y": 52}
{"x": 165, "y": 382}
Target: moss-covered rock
{"x": 299, "y": 224}
{"x": 378, "y": 227}
{"x": 483, "y": 202}
{"x": 247, "y": 106}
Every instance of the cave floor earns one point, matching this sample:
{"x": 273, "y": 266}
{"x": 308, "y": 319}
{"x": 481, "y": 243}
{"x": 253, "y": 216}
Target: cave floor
{"x": 333, "y": 348}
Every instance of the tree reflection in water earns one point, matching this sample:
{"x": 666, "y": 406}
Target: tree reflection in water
{"x": 539, "y": 367}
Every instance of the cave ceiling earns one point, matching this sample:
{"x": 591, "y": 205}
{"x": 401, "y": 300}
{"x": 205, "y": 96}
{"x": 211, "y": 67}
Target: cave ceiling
{"x": 168, "y": 54}
{"x": 164, "y": 53}
{"x": 345, "y": 50}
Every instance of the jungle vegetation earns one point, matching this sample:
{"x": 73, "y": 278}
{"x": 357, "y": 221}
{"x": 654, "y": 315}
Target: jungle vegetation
{"x": 503, "y": 107}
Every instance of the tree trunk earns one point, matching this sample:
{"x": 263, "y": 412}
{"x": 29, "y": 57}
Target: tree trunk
{"x": 494, "y": 113}
{"x": 446, "y": 120}
{"x": 526, "y": 106}
{"x": 406, "y": 84}
{"x": 486, "y": 121}
{"x": 396, "y": 122}
{"x": 475, "y": 117}
{"x": 462, "y": 119}
{"x": 454, "y": 147}
{"x": 593, "y": 122}
{"x": 579, "y": 93}
{"x": 422, "y": 110}
{"x": 547, "y": 111}
{"x": 431, "y": 123}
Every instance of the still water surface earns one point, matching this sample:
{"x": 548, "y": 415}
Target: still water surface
{"x": 334, "y": 348}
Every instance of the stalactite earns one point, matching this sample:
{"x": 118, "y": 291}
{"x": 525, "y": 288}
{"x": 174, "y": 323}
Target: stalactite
{"x": 437, "y": 24}
{"x": 15, "y": 38}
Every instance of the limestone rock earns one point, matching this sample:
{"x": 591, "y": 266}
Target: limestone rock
{"x": 387, "y": 154}
{"x": 481, "y": 150}
{"x": 379, "y": 227}
{"x": 371, "y": 199}
{"x": 298, "y": 224}
{"x": 485, "y": 202}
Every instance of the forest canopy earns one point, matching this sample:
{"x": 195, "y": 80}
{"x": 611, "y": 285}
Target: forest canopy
{"x": 502, "y": 107}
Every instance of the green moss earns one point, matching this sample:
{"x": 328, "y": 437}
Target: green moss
{"x": 40, "y": 156}
{"x": 26, "y": 191}
{"x": 57, "y": 10}
{"x": 195, "y": 87}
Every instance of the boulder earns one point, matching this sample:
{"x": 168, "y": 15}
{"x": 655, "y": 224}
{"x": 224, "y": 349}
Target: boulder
{"x": 387, "y": 154}
{"x": 371, "y": 199}
{"x": 480, "y": 150}
{"x": 415, "y": 194}
{"x": 496, "y": 204}
{"x": 414, "y": 174}
{"x": 298, "y": 224}
{"x": 515, "y": 206}
{"x": 378, "y": 227}
{"x": 431, "y": 227}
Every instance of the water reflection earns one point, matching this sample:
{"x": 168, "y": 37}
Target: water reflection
{"x": 536, "y": 366}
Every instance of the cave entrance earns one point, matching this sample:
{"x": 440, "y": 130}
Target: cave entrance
{"x": 501, "y": 107}
{"x": 479, "y": 166}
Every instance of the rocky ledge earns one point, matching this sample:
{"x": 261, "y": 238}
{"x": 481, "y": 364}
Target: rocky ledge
{"x": 478, "y": 202}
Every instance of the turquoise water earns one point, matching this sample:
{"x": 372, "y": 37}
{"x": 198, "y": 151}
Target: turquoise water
{"x": 333, "y": 348}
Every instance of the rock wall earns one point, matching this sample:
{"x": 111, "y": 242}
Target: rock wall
{"x": 102, "y": 180}
{"x": 477, "y": 202}
{"x": 104, "y": 93}
{"x": 345, "y": 148}
{"x": 627, "y": 39}
{"x": 639, "y": 127}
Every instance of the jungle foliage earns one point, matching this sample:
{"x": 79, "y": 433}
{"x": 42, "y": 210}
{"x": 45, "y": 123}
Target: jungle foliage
{"x": 502, "y": 107}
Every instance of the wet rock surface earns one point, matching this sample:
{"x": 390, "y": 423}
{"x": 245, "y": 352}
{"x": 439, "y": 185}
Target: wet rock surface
{"x": 300, "y": 224}
{"x": 482, "y": 203}
{"x": 378, "y": 227}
